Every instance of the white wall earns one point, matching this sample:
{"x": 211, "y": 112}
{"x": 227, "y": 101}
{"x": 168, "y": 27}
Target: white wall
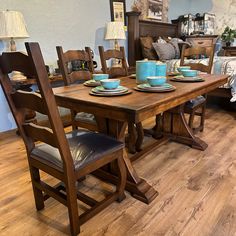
{"x": 72, "y": 24}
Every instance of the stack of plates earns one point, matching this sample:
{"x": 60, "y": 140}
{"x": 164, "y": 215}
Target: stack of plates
{"x": 157, "y": 89}
{"x": 100, "y": 91}
{"x": 173, "y": 73}
{"x": 187, "y": 79}
{"x": 91, "y": 83}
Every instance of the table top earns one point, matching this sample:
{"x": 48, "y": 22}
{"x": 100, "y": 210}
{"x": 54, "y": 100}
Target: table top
{"x": 136, "y": 106}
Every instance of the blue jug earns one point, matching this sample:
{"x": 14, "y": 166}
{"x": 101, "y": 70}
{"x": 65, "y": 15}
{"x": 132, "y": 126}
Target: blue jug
{"x": 144, "y": 69}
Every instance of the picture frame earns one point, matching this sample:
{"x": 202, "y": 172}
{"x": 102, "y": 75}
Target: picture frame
{"x": 118, "y": 10}
{"x": 155, "y": 8}
{"x": 152, "y": 10}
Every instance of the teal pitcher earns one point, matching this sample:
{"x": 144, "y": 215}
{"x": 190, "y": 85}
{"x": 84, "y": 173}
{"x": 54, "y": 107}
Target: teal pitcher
{"x": 144, "y": 69}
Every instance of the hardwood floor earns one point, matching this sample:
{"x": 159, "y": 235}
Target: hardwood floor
{"x": 197, "y": 191}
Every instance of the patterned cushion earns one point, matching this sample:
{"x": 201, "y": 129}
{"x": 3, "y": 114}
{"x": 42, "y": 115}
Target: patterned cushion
{"x": 147, "y": 48}
{"x": 166, "y": 51}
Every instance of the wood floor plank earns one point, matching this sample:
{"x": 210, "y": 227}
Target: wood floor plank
{"x": 197, "y": 191}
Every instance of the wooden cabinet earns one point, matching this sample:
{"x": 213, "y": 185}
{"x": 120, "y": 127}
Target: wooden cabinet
{"x": 229, "y": 51}
{"x": 202, "y": 41}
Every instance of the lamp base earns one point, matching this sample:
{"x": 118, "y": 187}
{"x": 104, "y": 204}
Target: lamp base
{"x": 116, "y": 62}
{"x": 12, "y": 45}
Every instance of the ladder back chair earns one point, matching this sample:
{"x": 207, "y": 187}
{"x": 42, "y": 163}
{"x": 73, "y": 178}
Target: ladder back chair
{"x": 135, "y": 131}
{"x": 78, "y": 119}
{"x": 197, "y": 106}
{"x": 66, "y": 157}
{"x": 121, "y": 69}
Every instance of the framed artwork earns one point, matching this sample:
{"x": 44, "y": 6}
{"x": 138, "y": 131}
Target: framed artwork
{"x": 118, "y": 10}
{"x": 155, "y": 9}
{"x": 209, "y": 23}
{"x": 152, "y": 10}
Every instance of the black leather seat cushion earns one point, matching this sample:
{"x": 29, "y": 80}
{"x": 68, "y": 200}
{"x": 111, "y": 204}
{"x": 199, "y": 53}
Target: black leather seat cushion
{"x": 195, "y": 102}
{"x": 85, "y": 146}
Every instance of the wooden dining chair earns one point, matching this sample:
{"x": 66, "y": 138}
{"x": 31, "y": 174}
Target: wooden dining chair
{"x": 78, "y": 119}
{"x": 121, "y": 69}
{"x": 66, "y": 157}
{"x": 197, "y": 106}
{"x": 135, "y": 131}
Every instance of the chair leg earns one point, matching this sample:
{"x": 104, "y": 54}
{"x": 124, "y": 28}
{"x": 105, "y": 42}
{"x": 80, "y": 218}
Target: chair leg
{"x": 71, "y": 193}
{"x": 203, "y": 118}
{"x": 140, "y": 134}
{"x": 38, "y": 194}
{"x": 122, "y": 177}
{"x": 132, "y": 137}
{"x": 73, "y": 114}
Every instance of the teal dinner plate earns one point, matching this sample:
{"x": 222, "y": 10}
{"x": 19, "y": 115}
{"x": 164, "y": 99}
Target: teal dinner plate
{"x": 187, "y": 79}
{"x": 105, "y": 91}
{"x": 118, "y": 89}
{"x": 102, "y": 94}
{"x": 149, "y": 87}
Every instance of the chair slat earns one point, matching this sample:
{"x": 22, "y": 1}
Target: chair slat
{"x": 83, "y": 75}
{"x": 109, "y": 54}
{"x": 72, "y": 55}
{"x": 30, "y": 100}
{"x": 40, "y": 133}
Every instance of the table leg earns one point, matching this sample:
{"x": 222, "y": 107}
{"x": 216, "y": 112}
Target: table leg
{"x": 174, "y": 125}
{"x": 137, "y": 186}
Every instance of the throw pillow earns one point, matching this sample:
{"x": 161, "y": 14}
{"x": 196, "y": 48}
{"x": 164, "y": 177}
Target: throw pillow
{"x": 165, "y": 51}
{"x": 147, "y": 48}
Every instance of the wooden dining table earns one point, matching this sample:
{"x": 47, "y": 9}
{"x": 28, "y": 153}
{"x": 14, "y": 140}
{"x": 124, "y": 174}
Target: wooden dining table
{"x": 113, "y": 113}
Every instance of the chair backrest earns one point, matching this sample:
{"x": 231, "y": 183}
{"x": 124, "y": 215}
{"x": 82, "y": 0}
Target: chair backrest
{"x": 32, "y": 65}
{"x": 195, "y": 52}
{"x": 121, "y": 70}
{"x": 70, "y": 56}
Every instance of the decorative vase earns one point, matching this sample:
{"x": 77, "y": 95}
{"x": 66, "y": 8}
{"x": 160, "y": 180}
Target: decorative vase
{"x": 228, "y": 44}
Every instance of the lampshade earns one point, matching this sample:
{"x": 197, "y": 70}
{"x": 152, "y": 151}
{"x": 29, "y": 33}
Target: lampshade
{"x": 115, "y": 30}
{"x": 12, "y": 25}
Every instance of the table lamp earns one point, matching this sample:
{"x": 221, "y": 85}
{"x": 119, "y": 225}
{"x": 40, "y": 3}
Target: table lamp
{"x": 115, "y": 31}
{"x": 12, "y": 26}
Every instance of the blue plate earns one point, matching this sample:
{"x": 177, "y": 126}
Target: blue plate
{"x": 118, "y": 89}
{"x": 149, "y": 87}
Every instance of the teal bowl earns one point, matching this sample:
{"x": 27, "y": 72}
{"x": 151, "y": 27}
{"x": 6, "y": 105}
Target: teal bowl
{"x": 181, "y": 68}
{"x": 156, "y": 80}
{"x": 98, "y": 77}
{"x": 110, "y": 83}
{"x": 189, "y": 73}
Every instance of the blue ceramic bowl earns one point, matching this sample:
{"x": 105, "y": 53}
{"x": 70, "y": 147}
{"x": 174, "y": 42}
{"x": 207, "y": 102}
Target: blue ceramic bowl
{"x": 156, "y": 80}
{"x": 189, "y": 73}
{"x": 110, "y": 83}
{"x": 98, "y": 77}
{"x": 181, "y": 68}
